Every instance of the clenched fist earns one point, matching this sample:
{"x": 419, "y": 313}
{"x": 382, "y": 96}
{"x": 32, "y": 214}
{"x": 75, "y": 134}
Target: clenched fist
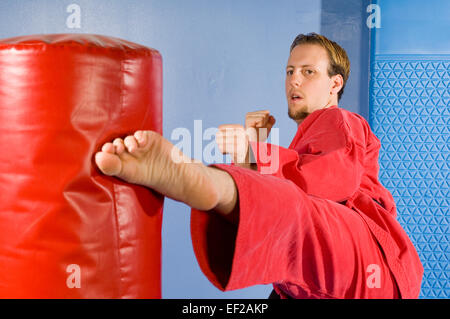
{"x": 258, "y": 125}
{"x": 234, "y": 139}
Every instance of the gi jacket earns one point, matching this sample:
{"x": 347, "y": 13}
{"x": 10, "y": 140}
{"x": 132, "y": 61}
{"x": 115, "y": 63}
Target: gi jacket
{"x": 312, "y": 220}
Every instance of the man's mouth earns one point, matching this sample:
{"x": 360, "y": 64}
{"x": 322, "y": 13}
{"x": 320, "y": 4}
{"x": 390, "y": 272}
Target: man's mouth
{"x": 296, "y": 97}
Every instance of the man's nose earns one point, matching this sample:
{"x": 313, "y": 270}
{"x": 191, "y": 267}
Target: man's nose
{"x": 296, "y": 79}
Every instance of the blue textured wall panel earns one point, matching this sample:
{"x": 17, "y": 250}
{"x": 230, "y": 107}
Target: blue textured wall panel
{"x": 410, "y": 114}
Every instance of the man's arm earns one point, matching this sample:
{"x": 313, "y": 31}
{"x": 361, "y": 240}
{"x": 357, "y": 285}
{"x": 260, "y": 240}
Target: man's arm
{"x": 233, "y": 139}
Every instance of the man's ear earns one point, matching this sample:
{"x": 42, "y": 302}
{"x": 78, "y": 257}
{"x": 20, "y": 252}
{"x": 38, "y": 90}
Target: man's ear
{"x": 338, "y": 83}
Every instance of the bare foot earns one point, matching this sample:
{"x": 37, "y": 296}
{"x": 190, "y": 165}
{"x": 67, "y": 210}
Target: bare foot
{"x": 146, "y": 158}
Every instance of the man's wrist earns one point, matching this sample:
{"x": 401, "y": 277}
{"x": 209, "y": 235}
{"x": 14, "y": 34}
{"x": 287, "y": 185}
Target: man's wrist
{"x": 249, "y": 161}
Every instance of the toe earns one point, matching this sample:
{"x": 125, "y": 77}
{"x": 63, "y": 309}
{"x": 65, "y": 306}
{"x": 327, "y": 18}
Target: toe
{"x": 108, "y": 148}
{"x": 141, "y": 138}
{"x": 109, "y": 164}
{"x": 130, "y": 143}
{"x": 119, "y": 147}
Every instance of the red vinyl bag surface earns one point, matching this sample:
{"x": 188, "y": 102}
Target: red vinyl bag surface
{"x": 66, "y": 230}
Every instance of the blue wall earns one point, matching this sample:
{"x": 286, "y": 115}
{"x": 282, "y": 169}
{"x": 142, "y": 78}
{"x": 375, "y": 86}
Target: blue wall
{"x": 221, "y": 59}
{"x": 410, "y": 114}
{"x": 345, "y": 23}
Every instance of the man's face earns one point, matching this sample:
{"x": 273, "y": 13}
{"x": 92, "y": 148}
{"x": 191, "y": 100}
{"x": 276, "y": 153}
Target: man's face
{"x": 308, "y": 86}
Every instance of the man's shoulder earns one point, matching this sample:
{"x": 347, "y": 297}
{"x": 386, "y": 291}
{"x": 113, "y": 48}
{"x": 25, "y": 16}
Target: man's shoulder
{"x": 343, "y": 116}
{"x": 338, "y": 118}
{"x": 335, "y": 116}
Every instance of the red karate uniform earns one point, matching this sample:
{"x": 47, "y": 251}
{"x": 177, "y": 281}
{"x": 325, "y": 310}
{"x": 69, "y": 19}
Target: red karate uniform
{"x": 320, "y": 225}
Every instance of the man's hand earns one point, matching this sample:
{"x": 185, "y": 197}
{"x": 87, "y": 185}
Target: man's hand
{"x": 258, "y": 125}
{"x": 234, "y": 139}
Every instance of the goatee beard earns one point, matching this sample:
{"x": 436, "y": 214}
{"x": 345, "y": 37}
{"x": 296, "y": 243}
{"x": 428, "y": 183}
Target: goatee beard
{"x": 297, "y": 116}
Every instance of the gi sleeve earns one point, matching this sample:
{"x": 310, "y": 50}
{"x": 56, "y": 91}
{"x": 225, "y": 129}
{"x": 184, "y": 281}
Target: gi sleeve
{"x": 254, "y": 252}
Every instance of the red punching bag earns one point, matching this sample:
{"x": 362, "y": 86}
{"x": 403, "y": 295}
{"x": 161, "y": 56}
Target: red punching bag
{"x": 66, "y": 230}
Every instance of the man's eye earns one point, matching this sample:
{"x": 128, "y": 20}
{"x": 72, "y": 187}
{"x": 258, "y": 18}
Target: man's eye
{"x": 308, "y": 72}
{"x": 289, "y": 72}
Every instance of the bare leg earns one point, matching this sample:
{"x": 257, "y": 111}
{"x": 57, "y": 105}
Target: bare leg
{"x": 146, "y": 158}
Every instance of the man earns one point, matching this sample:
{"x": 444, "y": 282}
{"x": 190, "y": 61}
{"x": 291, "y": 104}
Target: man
{"x": 319, "y": 226}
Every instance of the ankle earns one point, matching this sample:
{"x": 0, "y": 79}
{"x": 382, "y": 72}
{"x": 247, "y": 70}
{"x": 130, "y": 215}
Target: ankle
{"x": 199, "y": 190}
{"x": 225, "y": 190}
